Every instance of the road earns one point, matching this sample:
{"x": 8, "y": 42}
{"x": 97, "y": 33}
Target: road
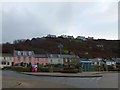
{"x": 109, "y": 80}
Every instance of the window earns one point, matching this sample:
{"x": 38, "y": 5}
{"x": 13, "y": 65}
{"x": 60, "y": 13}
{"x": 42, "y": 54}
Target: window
{"x": 3, "y": 63}
{"x": 19, "y": 53}
{"x": 58, "y": 56}
{"x": 30, "y": 53}
{"x": 10, "y": 58}
{"x": 24, "y": 53}
{"x": 37, "y": 59}
{"x": 66, "y": 60}
{"x": 95, "y": 62}
{"x": 29, "y": 59}
{"x": 51, "y": 55}
{"x": 92, "y": 64}
{"x": 51, "y": 60}
{"x": 24, "y": 59}
{"x": 8, "y": 63}
{"x": 18, "y": 59}
{"x": 58, "y": 60}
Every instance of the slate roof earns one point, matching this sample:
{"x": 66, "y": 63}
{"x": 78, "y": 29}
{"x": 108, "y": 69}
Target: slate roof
{"x": 6, "y": 55}
{"x": 85, "y": 60}
{"x": 62, "y": 56}
{"x": 40, "y": 56}
{"x": 117, "y": 60}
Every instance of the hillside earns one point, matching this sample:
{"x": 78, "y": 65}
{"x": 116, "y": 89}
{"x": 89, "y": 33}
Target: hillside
{"x": 87, "y": 49}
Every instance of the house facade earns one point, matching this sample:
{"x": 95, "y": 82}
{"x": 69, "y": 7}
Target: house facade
{"x": 51, "y": 36}
{"x": 70, "y": 37}
{"x": 23, "y": 58}
{"x": 81, "y": 38}
{"x": 54, "y": 59}
{"x": 70, "y": 59}
{"x": 110, "y": 62}
{"x": 6, "y": 60}
{"x": 64, "y": 36}
{"x": 97, "y": 61}
{"x": 117, "y": 61}
{"x": 41, "y": 59}
{"x": 90, "y": 38}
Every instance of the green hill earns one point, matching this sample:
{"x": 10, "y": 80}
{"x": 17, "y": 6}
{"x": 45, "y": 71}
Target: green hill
{"x": 86, "y": 49}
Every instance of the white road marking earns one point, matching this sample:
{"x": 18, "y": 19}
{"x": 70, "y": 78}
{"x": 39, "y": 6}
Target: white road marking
{"x": 99, "y": 78}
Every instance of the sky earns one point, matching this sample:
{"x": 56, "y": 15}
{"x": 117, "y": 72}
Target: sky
{"x": 26, "y": 20}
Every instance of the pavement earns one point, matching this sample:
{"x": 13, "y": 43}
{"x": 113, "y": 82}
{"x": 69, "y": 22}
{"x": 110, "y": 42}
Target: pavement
{"x": 83, "y": 74}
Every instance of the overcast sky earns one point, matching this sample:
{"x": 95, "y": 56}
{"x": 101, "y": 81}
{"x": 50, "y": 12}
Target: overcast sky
{"x": 26, "y": 20}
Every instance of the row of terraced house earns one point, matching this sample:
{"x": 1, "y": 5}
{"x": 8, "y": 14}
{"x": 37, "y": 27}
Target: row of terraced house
{"x": 24, "y": 58}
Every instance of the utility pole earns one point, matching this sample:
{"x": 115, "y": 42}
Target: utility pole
{"x": 60, "y": 46}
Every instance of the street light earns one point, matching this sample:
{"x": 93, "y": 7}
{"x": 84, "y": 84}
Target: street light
{"x": 60, "y": 46}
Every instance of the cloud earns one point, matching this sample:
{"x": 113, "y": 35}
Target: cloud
{"x": 28, "y": 20}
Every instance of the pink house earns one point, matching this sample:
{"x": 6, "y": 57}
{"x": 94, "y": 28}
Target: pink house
{"x": 23, "y": 57}
{"x": 41, "y": 59}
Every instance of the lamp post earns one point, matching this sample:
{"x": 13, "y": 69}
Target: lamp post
{"x": 60, "y": 46}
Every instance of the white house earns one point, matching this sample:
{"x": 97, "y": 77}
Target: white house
{"x": 70, "y": 37}
{"x": 64, "y": 36}
{"x": 6, "y": 60}
{"x": 54, "y": 59}
{"x": 96, "y": 61}
{"x": 81, "y": 38}
{"x": 90, "y": 38}
{"x": 110, "y": 62}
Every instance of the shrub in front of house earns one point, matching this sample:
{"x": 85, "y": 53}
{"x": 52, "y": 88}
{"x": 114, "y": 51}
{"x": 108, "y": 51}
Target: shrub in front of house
{"x": 98, "y": 68}
{"x": 21, "y": 69}
{"x": 112, "y": 68}
{"x": 57, "y": 69}
{"x": 43, "y": 69}
{"x": 26, "y": 69}
{"x": 70, "y": 70}
{"x": 16, "y": 68}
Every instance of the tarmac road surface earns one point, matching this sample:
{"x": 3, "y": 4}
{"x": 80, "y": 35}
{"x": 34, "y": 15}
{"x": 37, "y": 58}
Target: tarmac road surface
{"x": 109, "y": 80}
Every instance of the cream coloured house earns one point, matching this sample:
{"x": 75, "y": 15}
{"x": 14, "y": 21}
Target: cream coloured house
{"x": 54, "y": 59}
{"x": 6, "y": 60}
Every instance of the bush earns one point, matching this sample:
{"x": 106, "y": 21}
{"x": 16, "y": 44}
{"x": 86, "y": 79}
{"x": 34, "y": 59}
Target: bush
{"x": 25, "y": 70}
{"x": 98, "y": 68}
{"x": 70, "y": 70}
{"x": 21, "y": 69}
{"x": 43, "y": 69}
{"x": 57, "y": 69}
